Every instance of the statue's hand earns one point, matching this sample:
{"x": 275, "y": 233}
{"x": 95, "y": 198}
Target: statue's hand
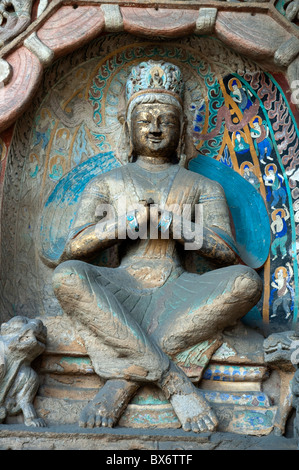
{"x": 164, "y": 220}
{"x": 137, "y": 219}
{"x": 143, "y": 214}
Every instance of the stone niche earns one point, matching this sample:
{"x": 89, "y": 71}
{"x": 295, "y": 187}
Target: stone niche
{"x": 70, "y": 131}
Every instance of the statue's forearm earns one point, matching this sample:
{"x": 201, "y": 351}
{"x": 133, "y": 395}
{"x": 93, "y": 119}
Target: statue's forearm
{"x": 204, "y": 240}
{"x": 216, "y": 248}
{"x": 90, "y": 241}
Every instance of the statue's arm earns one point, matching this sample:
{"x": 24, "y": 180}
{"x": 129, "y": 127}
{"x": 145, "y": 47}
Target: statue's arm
{"x": 85, "y": 239}
{"x": 87, "y": 242}
{"x": 212, "y": 225}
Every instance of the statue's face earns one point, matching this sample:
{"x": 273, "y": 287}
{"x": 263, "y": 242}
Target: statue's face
{"x": 155, "y": 130}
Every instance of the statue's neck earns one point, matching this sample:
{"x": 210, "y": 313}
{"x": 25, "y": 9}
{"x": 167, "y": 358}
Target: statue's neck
{"x": 154, "y": 163}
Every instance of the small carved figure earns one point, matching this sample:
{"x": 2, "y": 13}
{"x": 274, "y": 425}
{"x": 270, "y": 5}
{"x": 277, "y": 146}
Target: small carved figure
{"x": 280, "y": 353}
{"x": 295, "y": 402}
{"x": 21, "y": 341}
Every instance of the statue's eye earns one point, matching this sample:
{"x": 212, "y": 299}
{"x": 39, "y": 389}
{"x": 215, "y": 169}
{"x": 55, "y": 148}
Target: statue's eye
{"x": 24, "y": 338}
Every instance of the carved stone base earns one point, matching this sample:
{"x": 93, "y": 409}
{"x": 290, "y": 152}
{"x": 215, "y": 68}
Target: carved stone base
{"x": 18, "y": 437}
{"x": 232, "y": 382}
{"x": 241, "y": 406}
{"x": 249, "y": 420}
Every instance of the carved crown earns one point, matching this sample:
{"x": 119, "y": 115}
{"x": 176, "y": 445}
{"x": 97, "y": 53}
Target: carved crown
{"x": 155, "y": 77}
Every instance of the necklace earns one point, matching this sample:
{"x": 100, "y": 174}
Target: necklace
{"x": 155, "y": 180}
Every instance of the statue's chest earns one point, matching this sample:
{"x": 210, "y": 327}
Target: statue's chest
{"x": 151, "y": 187}
{"x": 154, "y": 187}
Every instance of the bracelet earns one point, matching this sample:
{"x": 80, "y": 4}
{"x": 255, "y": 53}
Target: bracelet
{"x": 132, "y": 221}
{"x": 165, "y": 221}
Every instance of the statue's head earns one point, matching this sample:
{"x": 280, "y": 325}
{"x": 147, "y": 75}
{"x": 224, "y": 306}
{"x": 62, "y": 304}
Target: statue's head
{"x": 154, "y": 116}
{"x": 24, "y": 337}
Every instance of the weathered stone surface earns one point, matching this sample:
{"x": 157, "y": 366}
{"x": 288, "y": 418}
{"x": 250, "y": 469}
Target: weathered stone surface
{"x": 16, "y": 437}
{"x": 17, "y": 95}
{"x": 69, "y": 28}
{"x": 158, "y": 22}
{"x": 206, "y": 20}
{"x": 43, "y": 52}
{"x": 15, "y": 17}
{"x": 5, "y": 72}
{"x": 113, "y": 18}
{"x": 293, "y": 79}
{"x": 257, "y": 36}
{"x": 287, "y": 52}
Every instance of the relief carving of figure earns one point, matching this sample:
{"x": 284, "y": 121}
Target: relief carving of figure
{"x": 149, "y": 308}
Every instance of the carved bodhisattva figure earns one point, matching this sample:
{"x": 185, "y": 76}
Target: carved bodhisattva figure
{"x": 149, "y": 308}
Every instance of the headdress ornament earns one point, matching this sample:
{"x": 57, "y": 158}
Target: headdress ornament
{"x": 155, "y": 77}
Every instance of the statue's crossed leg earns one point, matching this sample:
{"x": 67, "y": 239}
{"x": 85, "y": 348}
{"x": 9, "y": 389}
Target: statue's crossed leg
{"x": 200, "y": 307}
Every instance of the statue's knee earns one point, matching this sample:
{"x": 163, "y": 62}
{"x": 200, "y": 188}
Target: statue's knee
{"x": 66, "y": 276}
{"x": 248, "y": 284}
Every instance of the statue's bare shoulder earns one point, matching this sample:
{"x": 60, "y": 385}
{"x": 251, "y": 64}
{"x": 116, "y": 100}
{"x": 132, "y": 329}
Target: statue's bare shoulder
{"x": 206, "y": 185}
{"x": 106, "y": 182}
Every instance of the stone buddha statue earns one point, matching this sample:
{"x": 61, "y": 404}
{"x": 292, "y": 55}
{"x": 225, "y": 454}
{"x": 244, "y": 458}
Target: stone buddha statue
{"x": 141, "y": 313}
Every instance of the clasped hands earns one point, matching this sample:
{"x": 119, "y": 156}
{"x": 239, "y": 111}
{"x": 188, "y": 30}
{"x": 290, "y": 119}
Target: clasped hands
{"x": 150, "y": 212}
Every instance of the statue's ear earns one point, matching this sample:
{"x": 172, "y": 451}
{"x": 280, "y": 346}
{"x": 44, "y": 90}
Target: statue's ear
{"x": 124, "y": 148}
{"x": 184, "y": 128}
{"x": 124, "y": 145}
{"x": 181, "y": 147}
{"x": 121, "y": 108}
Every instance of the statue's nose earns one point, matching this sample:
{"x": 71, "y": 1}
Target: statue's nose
{"x": 155, "y": 128}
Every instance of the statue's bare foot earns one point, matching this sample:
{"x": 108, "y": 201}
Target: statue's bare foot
{"x": 189, "y": 405}
{"x": 108, "y": 405}
{"x": 193, "y": 412}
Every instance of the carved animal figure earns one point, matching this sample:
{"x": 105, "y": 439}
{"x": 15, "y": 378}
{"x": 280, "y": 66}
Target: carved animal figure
{"x": 21, "y": 341}
{"x": 295, "y": 402}
{"x": 279, "y": 347}
{"x": 280, "y": 352}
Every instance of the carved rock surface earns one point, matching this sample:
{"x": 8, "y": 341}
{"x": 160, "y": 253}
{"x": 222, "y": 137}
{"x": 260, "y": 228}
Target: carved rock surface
{"x": 256, "y": 35}
{"x": 15, "y": 98}
{"x": 70, "y": 27}
{"x": 162, "y": 22}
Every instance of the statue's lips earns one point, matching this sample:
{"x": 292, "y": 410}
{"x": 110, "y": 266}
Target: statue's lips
{"x": 155, "y": 140}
